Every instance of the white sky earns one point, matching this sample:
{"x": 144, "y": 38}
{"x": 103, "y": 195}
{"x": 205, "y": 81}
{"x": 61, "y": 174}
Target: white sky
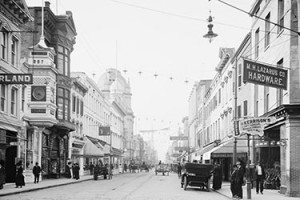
{"x": 153, "y": 42}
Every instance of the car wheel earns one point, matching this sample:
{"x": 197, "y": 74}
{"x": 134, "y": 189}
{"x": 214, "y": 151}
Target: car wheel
{"x": 185, "y": 183}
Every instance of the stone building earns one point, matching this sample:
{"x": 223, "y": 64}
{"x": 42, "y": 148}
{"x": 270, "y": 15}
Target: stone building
{"x": 12, "y": 96}
{"x": 49, "y": 62}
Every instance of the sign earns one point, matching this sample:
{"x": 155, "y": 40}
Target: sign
{"x": 178, "y": 137}
{"x": 255, "y": 126}
{"x": 266, "y": 75}
{"x": 104, "y": 130}
{"x": 181, "y": 149}
{"x": 16, "y": 79}
{"x": 175, "y": 155}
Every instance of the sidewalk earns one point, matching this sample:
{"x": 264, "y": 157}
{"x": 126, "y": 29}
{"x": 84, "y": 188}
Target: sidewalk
{"x": 9, "y": 188}
{"x": 268, "y": 194}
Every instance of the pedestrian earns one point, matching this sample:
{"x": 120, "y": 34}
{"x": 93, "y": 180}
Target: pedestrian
{"x": 217, "y": 176}
{"x": 91, "y": 168}
{"x": 125, "y": 167}
{"x": 2, "y": 174}
{"x": 73, "y": 170}
{"x": 233, "y": 181}
{"x": 260, "y": 177}
{"x": 239, "y": 180}
{"x": 19, "y": 175}
{"x": 69, "y": 170}
{"x": 76, "y": 171}
{"x": 179, "y": 169}
{"x": 36, "y": 172}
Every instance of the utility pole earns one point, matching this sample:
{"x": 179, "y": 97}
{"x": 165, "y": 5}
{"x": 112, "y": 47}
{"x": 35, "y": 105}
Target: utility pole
{"x": 235, "y": 114}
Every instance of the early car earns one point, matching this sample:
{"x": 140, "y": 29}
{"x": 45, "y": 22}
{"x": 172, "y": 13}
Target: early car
{"x": 162, "y": 168}
{"x": 101, "y": 171}
{"x": 197, "y": 175}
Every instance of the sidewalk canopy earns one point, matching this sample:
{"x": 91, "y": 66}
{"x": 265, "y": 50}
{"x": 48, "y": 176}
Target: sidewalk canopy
{"x": 226, "y": 149}
{"x": 93, "y": 147}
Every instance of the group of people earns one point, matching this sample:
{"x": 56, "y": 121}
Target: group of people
{"x": 72, "y": 170}
{"x": 238, "y": 179}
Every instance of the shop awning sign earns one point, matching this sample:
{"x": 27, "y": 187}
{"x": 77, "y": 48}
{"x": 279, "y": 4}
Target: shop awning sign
{"x": 255, "y": 126}
{"x": 266, "y": 75}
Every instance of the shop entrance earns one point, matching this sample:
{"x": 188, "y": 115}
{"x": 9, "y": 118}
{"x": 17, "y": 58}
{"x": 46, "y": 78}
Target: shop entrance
{"x": 10, "y": 167}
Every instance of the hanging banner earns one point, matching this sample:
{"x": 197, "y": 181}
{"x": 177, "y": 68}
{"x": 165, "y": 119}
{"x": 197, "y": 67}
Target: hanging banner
{"x": 255, "y": 126}
{"x": 266, "y": 75}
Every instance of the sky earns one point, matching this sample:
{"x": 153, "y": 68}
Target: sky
{"x": 163, "y": 37}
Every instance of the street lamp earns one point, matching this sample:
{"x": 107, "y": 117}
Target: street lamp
{"x": 210, "y": 35}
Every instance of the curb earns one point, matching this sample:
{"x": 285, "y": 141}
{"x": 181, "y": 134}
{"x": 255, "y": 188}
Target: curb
{"x": 50, "y": 186}
{"x": 222, "y": 194}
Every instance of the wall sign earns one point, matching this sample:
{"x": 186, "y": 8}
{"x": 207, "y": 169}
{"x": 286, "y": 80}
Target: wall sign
{"x": 266, "y": 75}
{"x": 16, "y": 79}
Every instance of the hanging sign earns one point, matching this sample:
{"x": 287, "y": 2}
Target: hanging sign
{"x": 16, "y": 79}
{"x": 255, "y": 126}
{"x": 266, "y": 75}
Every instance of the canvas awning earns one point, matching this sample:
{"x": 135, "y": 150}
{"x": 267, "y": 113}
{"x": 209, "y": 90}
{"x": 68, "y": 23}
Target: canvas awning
{"x": 226, "y": 149}
{"x": 93, "y": 147}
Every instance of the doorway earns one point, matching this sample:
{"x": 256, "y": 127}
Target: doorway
{"x": 10, "y": 167}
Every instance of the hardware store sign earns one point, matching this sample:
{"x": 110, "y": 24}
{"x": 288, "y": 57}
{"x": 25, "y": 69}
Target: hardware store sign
{"x": 266, "y": 75}
{"x": 255, "y": 126}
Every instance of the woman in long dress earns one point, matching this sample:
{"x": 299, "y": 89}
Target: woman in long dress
{"x": 19, "y": 175}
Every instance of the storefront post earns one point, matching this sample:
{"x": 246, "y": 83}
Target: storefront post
{"x": 248, "y": 182}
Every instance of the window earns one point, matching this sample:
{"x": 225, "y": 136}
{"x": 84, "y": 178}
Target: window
{"x": 3, "y": 97}
{"x": 280, "y": 15}
{"x": 220, "y": 96}
{"x": 245, "y": 108}
{"x": 267, "y": 30}
{"x": 4, "y": 36}
{"x": 240, "y": 75}
{"x": 266, "y": 95}
{"x": 63, "y": 104}
{"x": 279, "y": 92}
{"x": 23, "y": 98}
{"x": 13, "y": 105}
{"x": 77, "y": 107}
{"x": 62, "y": 60}
{"x": 81, "y": 108}
{"x": 14, "y": 46}
{"x": 74, "y": 104}
{"x": 239, "y": 112}
{"x": 256, "y": 43}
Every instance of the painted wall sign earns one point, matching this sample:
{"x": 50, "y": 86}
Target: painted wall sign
{"x": 16, "y": 79}
{"x": 266, "y": 75}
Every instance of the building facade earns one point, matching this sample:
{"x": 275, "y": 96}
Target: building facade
{"x": 13, "y": 15}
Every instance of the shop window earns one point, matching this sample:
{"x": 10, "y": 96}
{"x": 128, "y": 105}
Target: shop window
{"x": 74, "y": 104}
{"x": 63, "y": 104}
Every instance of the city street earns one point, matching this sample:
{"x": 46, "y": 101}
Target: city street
{"x": 135, "y": 186}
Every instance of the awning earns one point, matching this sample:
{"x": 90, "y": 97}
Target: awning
{"x": 93, "y": 147}
{"x": 8, "y": 127}
{"x": 205, "y": 149}
{"x": 226, "y": 149}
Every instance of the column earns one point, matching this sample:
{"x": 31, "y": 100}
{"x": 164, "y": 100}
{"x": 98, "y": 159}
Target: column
{"x": 291, "y": 162}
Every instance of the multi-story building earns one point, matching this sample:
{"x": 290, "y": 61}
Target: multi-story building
{"x": 114, "y": 87}
{"x": 48, "y": 116}
{"x": 76, "y": 138}
{"x": 278, "y": 46}
{"x": 96, "y": 113}
{"x": 12, "y": 97}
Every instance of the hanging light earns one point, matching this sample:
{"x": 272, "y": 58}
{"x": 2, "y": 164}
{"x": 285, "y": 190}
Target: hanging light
{"x": 210, "y": 35}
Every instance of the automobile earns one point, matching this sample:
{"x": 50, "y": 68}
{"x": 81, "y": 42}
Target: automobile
{"x": 162, "y": 168}
{"x": 196, "y": 175}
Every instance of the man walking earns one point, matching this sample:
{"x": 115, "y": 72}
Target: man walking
{"x": 36, "y": 172}
{"x": 260, "y": 176}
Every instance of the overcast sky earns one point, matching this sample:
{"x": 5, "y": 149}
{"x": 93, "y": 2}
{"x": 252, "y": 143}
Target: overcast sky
{"x": 153, "y": 36}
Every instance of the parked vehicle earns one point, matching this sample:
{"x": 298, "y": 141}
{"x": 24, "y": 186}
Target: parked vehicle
{"x": 101, "y": 171}
{"x": 162, "y": 168}
{"x": 197, "y": 175}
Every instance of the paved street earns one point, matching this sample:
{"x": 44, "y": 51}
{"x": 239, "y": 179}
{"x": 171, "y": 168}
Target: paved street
{"x": 127, "y": 186}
